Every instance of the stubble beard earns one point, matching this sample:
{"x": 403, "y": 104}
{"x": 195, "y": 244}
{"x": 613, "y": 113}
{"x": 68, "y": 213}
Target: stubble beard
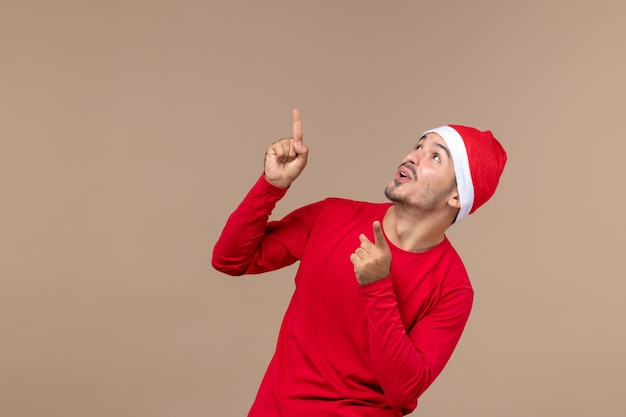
{"x": 395, "y": 197}
{"x": 403, "y": 200}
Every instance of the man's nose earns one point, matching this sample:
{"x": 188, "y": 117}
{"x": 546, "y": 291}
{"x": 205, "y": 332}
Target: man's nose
{"x": 412, "y": 158}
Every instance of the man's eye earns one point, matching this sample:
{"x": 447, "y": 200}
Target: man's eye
{"x": 418, "y": 146}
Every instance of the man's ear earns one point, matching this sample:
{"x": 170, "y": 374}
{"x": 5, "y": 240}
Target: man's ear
{"x": 454, "y": 200}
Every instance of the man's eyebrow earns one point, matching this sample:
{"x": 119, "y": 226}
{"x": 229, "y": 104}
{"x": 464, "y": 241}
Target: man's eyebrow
{"x": 420, "y": 140}
{"x": 439, "y": 145}
{"x": 445, "y": 148}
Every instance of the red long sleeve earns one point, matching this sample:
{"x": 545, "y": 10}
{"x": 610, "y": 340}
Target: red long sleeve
{"x": 345, "y": 349}
{"x": 249, "y": 244}
{"x": 237, "y": 246}
{"x": 407, "y": 363}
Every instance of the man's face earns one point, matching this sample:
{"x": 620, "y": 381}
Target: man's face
{"x": 425, "y": 179}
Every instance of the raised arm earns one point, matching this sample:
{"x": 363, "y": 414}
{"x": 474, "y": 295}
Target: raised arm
{"x": 248, "y": 244}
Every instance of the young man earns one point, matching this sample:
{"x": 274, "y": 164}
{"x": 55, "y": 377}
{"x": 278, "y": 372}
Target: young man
{"x": 381, "y": 295}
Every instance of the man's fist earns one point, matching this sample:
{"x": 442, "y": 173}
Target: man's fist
{"x": 372, "y": 261}
{"x": 286, "y": 158}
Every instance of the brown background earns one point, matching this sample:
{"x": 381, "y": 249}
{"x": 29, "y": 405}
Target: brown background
{"x": 130, "y": 129}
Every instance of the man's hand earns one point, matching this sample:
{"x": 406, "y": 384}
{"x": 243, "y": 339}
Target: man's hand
{"x": 372, "y": 261}
{"x": 285, "y": 159}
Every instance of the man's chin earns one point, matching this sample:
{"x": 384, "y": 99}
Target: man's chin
{"x": 394, "y": 197}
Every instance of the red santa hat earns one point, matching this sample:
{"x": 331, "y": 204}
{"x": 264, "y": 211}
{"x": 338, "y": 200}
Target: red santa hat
{"x": 478, "y": 159}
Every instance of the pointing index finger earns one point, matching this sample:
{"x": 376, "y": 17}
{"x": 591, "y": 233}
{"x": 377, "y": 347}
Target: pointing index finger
{"x": 297, "y": 125}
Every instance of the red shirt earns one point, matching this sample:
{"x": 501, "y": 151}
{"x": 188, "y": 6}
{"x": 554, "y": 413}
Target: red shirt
{"x": 346, "y": 349}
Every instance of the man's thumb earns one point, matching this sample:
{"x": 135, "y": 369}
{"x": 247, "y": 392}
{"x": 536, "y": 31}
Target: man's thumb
{"x": 379, "y": 237}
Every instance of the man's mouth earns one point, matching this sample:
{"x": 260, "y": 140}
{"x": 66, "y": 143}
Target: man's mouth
{"x": 407, "y": 171}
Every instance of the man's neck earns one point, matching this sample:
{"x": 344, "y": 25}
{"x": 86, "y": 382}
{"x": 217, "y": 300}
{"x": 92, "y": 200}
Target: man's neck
{"x": 412, "y": 231}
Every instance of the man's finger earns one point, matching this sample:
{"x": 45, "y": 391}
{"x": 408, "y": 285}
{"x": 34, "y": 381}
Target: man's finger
{"x": 379, "y": 237}
{"x": 363, "y": 238}
{"x": 297, "y": 125}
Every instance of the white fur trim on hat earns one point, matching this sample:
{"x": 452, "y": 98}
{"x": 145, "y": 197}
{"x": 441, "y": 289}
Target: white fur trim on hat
{"x": 458, "y": 151}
